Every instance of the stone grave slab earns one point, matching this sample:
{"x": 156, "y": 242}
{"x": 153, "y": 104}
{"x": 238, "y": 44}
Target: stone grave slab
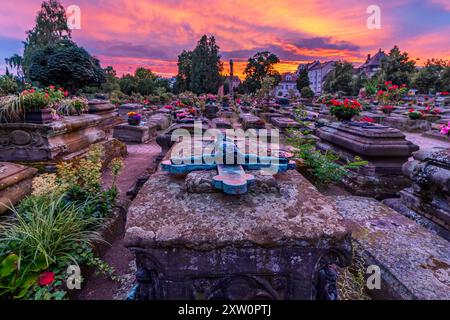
{"x": 161, "y": 120}
{"x": 283, "y": 123}
{"x": 386, "y": 150}
{"x": 15, "y": 184}
{"x": 403, "y": 123}
{"x": 250, "y": 121}
{"x": 31, "y": 143}
{"x": 201, "y": 246}
{"x": 414, "y": 262}
{"x": 134, "y": 134}
{"x": 430, "y": 193}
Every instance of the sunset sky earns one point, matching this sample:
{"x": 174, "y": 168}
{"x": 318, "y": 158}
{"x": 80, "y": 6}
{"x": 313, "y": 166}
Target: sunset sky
{"x": 151, "y": 33}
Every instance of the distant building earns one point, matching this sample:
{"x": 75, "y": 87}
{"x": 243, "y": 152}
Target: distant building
{"x": 317, "y": 73}
{"x": 172, "y": 82}
{"x": 288, "y": 82}
{"x": 372, "y": 64}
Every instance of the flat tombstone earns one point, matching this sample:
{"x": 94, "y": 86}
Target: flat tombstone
{"x": 275, "y": 245}
{"x": 386, "y": 150}
{"x": 134, "y": 134}
{"x": 15, "y": 184}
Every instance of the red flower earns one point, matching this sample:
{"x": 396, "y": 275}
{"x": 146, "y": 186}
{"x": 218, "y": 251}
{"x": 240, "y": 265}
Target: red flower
{"x": 411, "y": 110}
{"x": 52, "y": 87}
{"x": 46, "y": 278}
{"x": 368, "y": 119}
{"x": 32, "y": 91}
{"x": 66, "y": 93}
{"x": 47, "y": 96}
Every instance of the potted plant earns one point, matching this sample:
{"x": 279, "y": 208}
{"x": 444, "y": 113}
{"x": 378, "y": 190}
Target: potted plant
{"x": 36, "y": 105}
{"x": 387, "y": 109}
{"x": 345, "y": 111}
{"x": 134, "y": 118}
{"x": 414, "y": 115}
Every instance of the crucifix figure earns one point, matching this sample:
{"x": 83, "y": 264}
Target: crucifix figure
{"x": 231, "y": 165}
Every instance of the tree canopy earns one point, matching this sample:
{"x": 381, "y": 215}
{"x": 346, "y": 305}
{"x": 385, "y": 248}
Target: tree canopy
{"x": 65, "y": 64}
{"x": 340, "y": 78}
{"x": 206, "y": 67}
{"x": 261, "y": 65}
{"x": 397, "y": 67}
{"x": 303, "y": 79}
{"x": 51, "y": 26}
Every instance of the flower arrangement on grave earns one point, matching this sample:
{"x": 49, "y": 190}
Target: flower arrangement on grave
{"x": 414, "y": 114}
{"x": 387, "y": 109}
{"x": 345, "y": 110}
{"x": 390, "y": 93}
{"x": 134, "y": 118}
{"x": 445, "y": 129}
{"x": 326, "y": 99}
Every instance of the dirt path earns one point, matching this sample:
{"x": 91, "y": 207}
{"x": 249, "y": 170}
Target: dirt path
{"x": 101, "y": 288}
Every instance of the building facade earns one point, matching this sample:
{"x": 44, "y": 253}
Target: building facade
{"x": 317, "y": 73}
{"x": 287, "y": 85}
{"x": 373, "y": 64}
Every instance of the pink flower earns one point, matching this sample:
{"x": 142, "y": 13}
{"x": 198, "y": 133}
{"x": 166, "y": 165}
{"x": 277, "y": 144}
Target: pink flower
{"x": 66, "y": 93}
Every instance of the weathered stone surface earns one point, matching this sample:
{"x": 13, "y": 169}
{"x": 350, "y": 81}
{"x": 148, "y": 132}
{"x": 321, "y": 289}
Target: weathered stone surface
{"x": 250, "y": 121}
{"x": 15, "y": 184}
{"x": 161, "y": 120}
{"x": 414, "y": 262}
{"x": 210, "y": 245}
{"x": 31, "y": 142}
{"x": 136, "y": 134}
{"x": 430, "y": 193}
{"x": 403, "y": 123}
{"x": 284, "y": 123}
{"x": 386, "y": 150}
{"x": 202, "y": 182}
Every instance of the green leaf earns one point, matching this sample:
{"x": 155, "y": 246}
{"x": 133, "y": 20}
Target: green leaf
{"x": 26, "y": 284}
{"x": 9, "y": 265}
{"x": 39, "y": 264}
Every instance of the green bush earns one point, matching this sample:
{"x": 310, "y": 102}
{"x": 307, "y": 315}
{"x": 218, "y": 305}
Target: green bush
{"x": 307, "y": 93}
{"x": 8, "y": 85}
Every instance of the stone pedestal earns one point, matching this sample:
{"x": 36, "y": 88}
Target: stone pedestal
{"x": 15, "y": 184}
{"x": 386, "y": 150}
{"x": 430, "y": 193}
{"x": 106, "y": 110}
{"x": 134, "y": 134}
{"x": 250, "y": 121}
{"x": 130, "y": 107}
{"x": 200, "y": 246}
{"x": 47, "y": 144}
{"x": 404, "y": 123}
{"x": 162, "y": 121}
{"x": 283, "y": 123}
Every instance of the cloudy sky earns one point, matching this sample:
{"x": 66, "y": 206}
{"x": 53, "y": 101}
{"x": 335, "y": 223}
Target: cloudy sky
{"x": 151, "y": 33}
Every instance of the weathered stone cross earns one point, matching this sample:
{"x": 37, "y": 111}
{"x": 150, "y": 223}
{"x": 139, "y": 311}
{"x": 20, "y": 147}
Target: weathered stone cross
{"x": 231, "y": 164}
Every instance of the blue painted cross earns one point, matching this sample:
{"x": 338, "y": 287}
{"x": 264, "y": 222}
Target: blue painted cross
{"x": 230, "y": 164}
